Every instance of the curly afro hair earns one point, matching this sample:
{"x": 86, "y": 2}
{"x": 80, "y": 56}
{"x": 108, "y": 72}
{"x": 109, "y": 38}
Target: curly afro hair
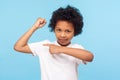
{"x": 70, "y": 14}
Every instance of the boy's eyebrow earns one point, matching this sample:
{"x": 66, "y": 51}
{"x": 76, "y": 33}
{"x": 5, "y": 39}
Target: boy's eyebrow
{"x": 56, "y": 27}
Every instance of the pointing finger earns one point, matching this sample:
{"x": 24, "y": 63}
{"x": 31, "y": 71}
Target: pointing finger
{"x": 46, "y": 44}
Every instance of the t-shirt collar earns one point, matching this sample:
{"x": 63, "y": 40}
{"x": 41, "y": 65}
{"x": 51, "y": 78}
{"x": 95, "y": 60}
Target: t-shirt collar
{"x": 60, "y": 45}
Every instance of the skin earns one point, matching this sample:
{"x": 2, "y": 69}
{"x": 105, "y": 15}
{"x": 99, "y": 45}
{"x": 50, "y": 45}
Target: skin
{"x": 64, "y": 32}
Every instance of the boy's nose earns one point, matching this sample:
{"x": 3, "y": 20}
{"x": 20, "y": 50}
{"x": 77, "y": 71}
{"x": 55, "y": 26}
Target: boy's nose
{"x": 63, "y": 35}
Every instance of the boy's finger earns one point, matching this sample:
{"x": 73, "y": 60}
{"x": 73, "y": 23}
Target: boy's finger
{"x": 46, "y": 44}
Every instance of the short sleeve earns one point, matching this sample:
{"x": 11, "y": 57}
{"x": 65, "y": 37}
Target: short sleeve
{"x": 37, "y": 46}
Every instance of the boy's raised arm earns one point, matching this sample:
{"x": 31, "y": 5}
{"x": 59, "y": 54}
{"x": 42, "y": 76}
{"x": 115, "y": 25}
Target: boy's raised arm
{"x": 22, "y": 44}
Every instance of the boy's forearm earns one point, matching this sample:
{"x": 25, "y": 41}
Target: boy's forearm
{"x": 24, "y": 39}
{"x": 22, "y": 42}
{"x": 78, "y": 53}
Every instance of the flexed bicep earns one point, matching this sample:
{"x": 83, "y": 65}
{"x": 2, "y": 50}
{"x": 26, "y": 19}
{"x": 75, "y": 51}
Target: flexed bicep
{"x": 24, "y": 49}
{"x": 22, "y": 44}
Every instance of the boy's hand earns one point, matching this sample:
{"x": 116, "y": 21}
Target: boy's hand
{"x": 54, "y": 49}
{"x": 39, "y": 23}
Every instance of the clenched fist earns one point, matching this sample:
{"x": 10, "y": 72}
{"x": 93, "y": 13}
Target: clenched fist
{"x": 40, "y": 22}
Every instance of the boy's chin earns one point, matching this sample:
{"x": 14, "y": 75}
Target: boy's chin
{"x": 63, "y": 44}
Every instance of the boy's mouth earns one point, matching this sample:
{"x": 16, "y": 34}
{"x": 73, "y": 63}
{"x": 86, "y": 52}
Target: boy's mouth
{"x": 63, "y": 42}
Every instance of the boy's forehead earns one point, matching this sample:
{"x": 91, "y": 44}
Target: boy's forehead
{"x": 64, "y": 25}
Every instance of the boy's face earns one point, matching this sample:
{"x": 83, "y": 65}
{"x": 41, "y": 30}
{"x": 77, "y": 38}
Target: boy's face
{"x": 64, "y": 32}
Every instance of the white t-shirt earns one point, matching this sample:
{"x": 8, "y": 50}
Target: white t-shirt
{"x": 56, "y": 66}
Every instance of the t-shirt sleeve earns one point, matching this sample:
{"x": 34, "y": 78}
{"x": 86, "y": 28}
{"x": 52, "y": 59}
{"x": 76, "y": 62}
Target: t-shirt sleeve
{"x": 37, "y": 46}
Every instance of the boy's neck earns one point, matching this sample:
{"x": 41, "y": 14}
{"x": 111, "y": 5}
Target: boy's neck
{"x": 63, "y": 45}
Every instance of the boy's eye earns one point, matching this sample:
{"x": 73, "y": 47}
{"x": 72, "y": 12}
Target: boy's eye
{"x": 68, "y": 31}
{"x": 58, "y": 30}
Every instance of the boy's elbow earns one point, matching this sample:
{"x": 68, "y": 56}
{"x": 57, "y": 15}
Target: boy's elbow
{"x": 91, "y": 57}
{"x": 16, "y": 48}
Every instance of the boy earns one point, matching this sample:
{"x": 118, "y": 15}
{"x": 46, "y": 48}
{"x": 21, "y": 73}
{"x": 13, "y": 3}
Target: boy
{"x": 58, "y": 60}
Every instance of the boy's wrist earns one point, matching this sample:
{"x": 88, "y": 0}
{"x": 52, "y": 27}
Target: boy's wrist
{"x": 62, "y": 49}
{"x": 34, "y": 27}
